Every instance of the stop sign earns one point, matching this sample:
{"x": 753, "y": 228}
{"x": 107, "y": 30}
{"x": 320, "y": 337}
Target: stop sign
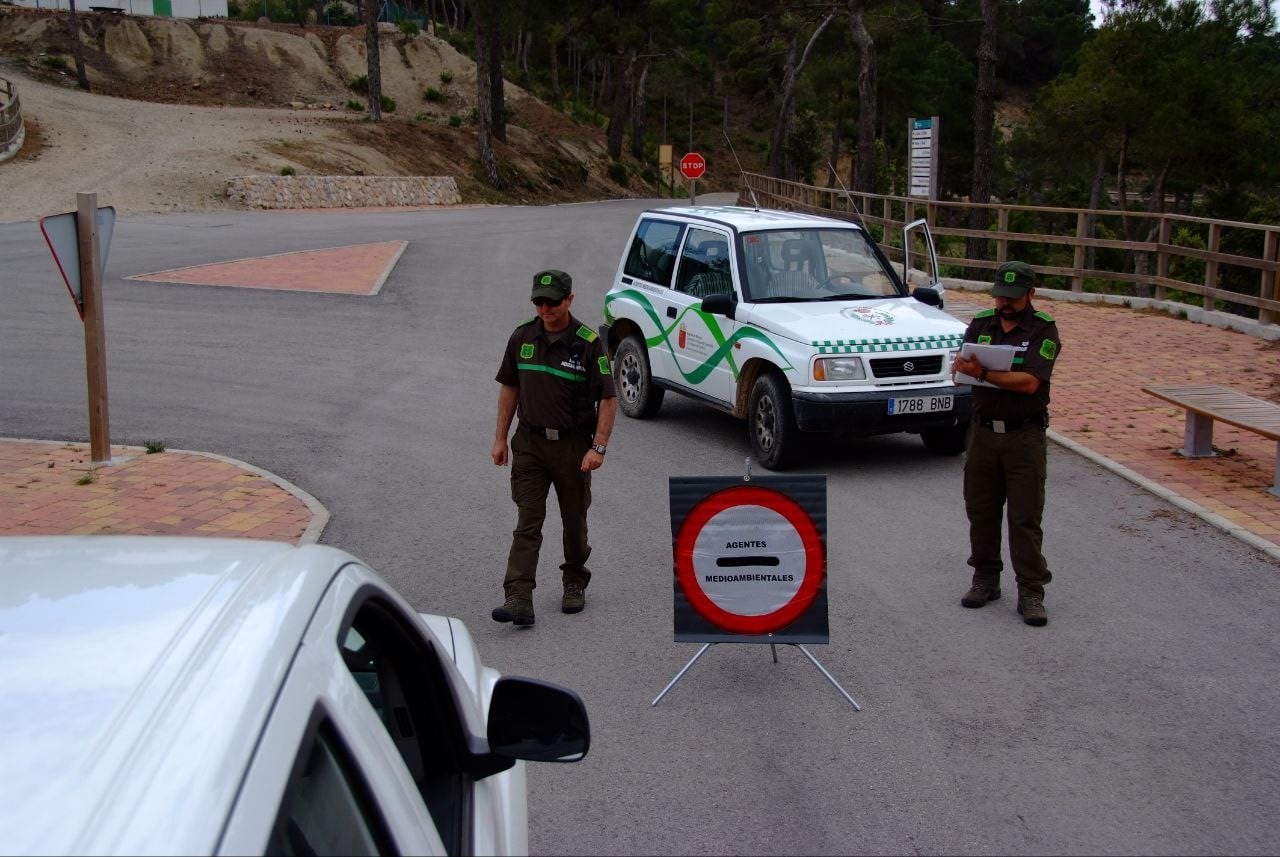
{"x": 693, "y": 165}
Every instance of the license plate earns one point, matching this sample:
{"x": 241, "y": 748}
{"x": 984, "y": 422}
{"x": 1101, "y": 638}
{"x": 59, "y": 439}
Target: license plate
{"x": 919, "y": 405}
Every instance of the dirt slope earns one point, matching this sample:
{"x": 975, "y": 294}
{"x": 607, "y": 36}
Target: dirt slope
{"x": 178, "y": 107}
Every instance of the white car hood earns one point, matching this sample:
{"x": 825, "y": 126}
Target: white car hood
{"x": 904, "y": 320}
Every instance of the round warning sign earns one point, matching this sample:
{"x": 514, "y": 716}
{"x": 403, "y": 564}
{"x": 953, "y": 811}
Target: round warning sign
{"x": 749, "y": 559}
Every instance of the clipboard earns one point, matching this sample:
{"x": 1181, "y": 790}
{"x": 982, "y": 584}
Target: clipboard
{"x": 995, "y": 358}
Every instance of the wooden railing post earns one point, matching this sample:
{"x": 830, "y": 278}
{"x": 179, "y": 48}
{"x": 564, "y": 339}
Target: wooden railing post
{"x": 1002, "y": 243}
{"x": 1077, "y": 259}
{"x": 1270, "y": 283}
{"x": 1211, "y": 266}
{"x": 1162, "y": 256}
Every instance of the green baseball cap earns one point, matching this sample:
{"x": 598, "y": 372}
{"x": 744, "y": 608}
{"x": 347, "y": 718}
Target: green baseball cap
{"x": 1013, "y": 279}
{"x": 555, "y": 285}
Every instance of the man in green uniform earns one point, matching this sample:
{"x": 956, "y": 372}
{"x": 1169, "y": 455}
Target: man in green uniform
{"x": 1005, "y": 459}
{"x": 555, "y": 375}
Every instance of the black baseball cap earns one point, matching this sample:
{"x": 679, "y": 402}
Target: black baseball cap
{"x": 555, "y": 285}
{"x": 1013, "y": 280}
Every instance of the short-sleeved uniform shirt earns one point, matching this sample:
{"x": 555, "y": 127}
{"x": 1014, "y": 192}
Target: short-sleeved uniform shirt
{"x": 560, "y": 376}
{"x": 1036, "y": 338}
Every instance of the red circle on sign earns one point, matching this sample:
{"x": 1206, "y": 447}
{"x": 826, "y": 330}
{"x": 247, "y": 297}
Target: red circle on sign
{"x": 749, "y": 495}
{"x": 693, "y": 165}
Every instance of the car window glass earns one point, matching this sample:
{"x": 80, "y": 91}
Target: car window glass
{"x": 704, "y": 264}
{"x": 402, "y": 677}
{"x": 813, "y": 264}
{"x": 326, "y": 808}
{"x": 652, "y": 254}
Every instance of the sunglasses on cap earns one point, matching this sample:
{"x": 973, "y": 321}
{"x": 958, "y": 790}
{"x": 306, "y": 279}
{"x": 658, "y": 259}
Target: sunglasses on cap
{"x": 547, "y": 302}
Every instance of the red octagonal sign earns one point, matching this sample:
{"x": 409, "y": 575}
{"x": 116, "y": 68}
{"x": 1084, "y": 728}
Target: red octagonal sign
{"x": 693, "y": 165}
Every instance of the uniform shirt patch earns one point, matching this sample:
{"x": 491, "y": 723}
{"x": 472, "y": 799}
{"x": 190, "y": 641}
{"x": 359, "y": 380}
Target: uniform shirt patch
{"x": 1048, "y": 349}
{"x": 526, "y": 351}
{"x": 603, "y": 363}
{"x": 984, "y": 338}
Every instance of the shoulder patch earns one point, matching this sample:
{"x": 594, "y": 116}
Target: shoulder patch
{"x": 1043, "y": 316}
{"x": 526, "y": 323}
{"x": 1048, "y": 349}
{"x": 587, "y": 333}
{"x": 984, "y": 313}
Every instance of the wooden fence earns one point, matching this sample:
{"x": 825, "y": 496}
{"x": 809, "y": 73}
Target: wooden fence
{"x": 12, "y": 130}
{"x": 1220, "y": 264}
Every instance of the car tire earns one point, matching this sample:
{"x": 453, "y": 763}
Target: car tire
{"x": 638, "y": 397}
{"x": 771, "y": 422}
{"x": 946, "y": 441}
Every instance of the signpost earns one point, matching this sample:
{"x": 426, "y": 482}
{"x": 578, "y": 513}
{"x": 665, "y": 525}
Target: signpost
{"x": 750, "y": 563}
{"x": 692, "y": 166}
{"x": 923, "y": 135}
{"x": 79, "y": 241}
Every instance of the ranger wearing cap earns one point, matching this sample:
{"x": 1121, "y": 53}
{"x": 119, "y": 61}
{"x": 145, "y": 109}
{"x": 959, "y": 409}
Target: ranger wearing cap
{"x": 1006, "y": 454}
{"x": 555, "y": 375}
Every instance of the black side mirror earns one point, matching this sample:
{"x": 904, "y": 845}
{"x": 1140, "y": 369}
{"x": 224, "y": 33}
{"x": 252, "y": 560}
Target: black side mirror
{"x": 720, "y": 304}
{"x": 537, "y": 721}
{"x": 927, "y": 295}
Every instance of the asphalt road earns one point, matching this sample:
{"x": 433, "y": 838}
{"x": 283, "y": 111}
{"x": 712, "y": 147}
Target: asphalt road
{"x": 1141, "y": 720}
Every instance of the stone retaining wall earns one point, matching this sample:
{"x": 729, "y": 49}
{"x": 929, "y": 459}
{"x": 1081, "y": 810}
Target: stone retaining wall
{"x": 342, "y": 191}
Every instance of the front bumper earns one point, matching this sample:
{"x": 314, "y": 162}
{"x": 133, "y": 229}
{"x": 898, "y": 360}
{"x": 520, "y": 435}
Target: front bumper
{"x": 868, "y": 413}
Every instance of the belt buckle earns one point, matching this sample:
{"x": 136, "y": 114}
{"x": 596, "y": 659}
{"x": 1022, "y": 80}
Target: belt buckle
{"x": 997, "y": 426}
{"x": 552, "y": 434}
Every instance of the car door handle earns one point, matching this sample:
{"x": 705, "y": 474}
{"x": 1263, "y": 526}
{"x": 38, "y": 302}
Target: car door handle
{"x": 671, "y": 312}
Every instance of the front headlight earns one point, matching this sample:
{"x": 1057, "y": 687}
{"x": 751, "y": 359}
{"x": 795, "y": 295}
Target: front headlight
{"x": 838, "y": 369}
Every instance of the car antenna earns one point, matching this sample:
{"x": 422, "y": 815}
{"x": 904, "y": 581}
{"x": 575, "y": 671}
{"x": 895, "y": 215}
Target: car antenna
{"x": 741, "y": 171}
{"x": 848, "y": 195}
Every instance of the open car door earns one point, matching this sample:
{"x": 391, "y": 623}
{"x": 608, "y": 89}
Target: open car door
{"x": 920, "y": 260}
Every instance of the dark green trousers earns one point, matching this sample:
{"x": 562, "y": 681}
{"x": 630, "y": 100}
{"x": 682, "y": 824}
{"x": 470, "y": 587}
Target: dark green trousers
{"x": 537, "y": 464}
{"x": 1006, "y": 473}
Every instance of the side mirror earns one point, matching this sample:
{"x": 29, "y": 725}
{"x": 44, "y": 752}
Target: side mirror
{"x": 927, "y": 295}
{"x": 720, "y": 304}
{"x": 537, "y": 721}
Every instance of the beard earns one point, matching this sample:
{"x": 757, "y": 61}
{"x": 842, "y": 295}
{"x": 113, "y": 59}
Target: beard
{"x": 1009, "y": 313}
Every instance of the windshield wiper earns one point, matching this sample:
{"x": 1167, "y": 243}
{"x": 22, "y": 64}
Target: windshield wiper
{"x": 856, "y": 296}
{"x": 779, "y": 299}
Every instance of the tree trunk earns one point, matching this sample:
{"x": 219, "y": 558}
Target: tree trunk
{"x": 778, "y": 166}
{"x": 484, "y": 93}
{"x": 497, "y": 98}
{"x": 555, "y": 73}
{"x": 375, "y": 59}
{"x": 984, "y": 120}
{"x": 868, "y": 94}
{"x": 637, "y": 111}
{"x": 77, "y": 47}
{"x": 618, "y": 110}
{"x": 1095, "y": 203}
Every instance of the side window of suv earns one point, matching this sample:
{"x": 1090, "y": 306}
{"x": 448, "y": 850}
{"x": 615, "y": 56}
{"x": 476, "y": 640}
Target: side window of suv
{"x": 403, "y": 679}
{"x": 652, "y": 254}
{"x": 704, "y": 265}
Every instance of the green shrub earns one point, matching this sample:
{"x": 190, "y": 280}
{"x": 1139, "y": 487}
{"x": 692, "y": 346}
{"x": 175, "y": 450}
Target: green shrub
{"x": 53, "y": 61}
{"x": 355, "y": 105}
{"x": 455, "y": 121}
{"x": 619, "y": 173}
{"x": 340, "y": 15}
{"x": 359, "y": 83}
{"x": 288, "y": 171}
{"x": 388, "y": 103}
{"x": 153, "y": 446}
{"x": 433, "y": 94}
{"x": 409, "y": 28}
{"x": 446, "y": 77}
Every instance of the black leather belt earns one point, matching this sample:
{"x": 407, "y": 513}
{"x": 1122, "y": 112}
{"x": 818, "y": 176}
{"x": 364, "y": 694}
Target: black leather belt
{"x": 553, "y": 433}
{"x": 1040, "y": 421}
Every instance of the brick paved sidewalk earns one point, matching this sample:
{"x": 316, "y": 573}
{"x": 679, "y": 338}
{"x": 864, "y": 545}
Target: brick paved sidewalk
{"x": 49, "y": 488}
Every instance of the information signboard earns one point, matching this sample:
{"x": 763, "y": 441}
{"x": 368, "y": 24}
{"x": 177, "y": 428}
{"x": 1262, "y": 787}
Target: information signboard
{"x": 922, "y": 135}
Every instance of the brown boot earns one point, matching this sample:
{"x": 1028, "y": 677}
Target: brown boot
{"x": 1032, "y": 609}
{"x": 516, "y": 610}
{"x": 574, "y": 599}
{"x": 980, "y": 595}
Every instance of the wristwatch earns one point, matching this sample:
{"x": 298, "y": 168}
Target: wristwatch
{"x": 599, "y": 447}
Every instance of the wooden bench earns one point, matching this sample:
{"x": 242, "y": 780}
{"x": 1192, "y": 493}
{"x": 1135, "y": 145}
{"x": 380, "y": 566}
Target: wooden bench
{"x": 1205, "y": 403}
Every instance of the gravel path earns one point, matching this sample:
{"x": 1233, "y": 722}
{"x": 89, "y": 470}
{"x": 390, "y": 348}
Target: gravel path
{"x": 146, "y": 157}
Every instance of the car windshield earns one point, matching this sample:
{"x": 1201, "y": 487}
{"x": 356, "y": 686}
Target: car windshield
{"x": 791, "y": 265}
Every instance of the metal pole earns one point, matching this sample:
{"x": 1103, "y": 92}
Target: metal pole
{"x": 95, "y": 340}
{"x": 672, "y": 683}
{"x": 830, "y": 677}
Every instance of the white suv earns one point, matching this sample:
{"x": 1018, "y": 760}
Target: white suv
{"x": 797, "y": 323}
